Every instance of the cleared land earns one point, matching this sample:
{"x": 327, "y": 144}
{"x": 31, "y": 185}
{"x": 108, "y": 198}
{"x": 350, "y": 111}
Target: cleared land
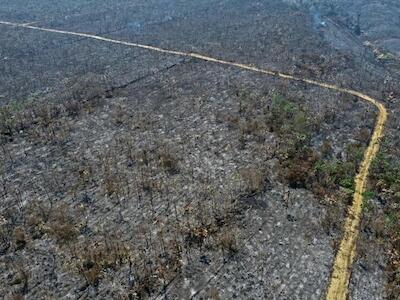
{"x": 208, "y": 213}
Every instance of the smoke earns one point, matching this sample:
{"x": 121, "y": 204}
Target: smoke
{"x": 316, "y": 16}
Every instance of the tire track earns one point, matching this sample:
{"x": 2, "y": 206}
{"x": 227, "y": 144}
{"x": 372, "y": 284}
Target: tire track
{"x": 341, "y": 271}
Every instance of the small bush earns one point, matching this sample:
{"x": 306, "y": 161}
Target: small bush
{"x": 19, "y": 238}
{"x": 254, "y": 180}
{"x": 254, "y": 126}
{"x": 96, "y": 256}
{"x": 196, "y": 235}
{"x": 167, "y": 160}
{"x": 285, "y": 117}
{"x": 73, "y": 108}
{"x": 227, "y": 240}
{"x": 17, "y": 296}
{"x": 213, "y": 294}
{"x": 332, "y": 221}
{"x": 298, "y": 169}
{"x": 111, "y": 184}
{"x": 62, "y": 225}
{"x": 119, "y": 115}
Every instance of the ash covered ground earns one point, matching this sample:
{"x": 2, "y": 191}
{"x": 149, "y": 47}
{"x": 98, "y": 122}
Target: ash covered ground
{"x": 129, "y": 174}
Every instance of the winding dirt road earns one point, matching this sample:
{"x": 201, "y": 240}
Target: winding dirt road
{"x": 341, "y": 271}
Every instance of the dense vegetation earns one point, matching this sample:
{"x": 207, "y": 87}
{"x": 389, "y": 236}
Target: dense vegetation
{"x": 385, "y": 183}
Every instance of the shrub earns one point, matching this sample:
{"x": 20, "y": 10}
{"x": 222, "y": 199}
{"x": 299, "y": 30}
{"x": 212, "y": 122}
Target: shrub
{"x": 326, "y": 149}
{"x": 62, "y": 225}
{"x": 19, "y": 238}
{"x": 167, "y": 160}
{"x": 111, "y": 184}
{"x": 285, "y": 117}
{"x": 227, "y": 240}
{"x": 213, "y": 294}
{"x": 73, "y": 108}
{"x": 93, "y": 257}
{"x": 254, "y": 180}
